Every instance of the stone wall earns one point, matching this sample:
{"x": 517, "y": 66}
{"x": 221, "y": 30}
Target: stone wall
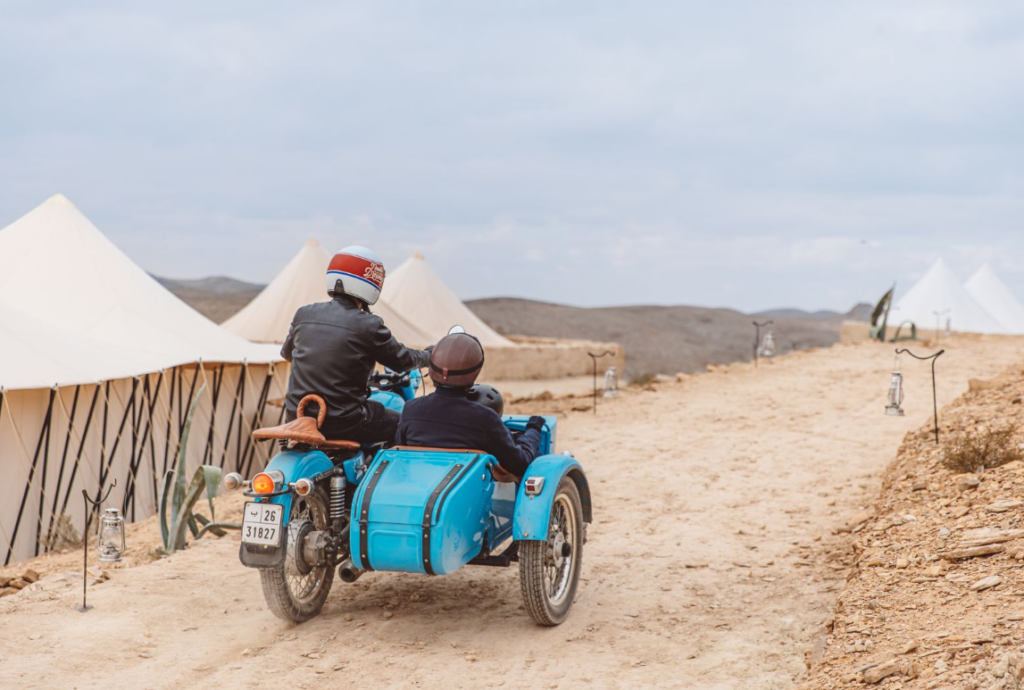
{"x": 545, "y": 358}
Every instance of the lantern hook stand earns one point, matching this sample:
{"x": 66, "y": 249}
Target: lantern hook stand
{"x": 595, "y": 357}
{"x": 757, "y": 337}
{"x": 935, "y": 398}
{"x": 85, "y": 542}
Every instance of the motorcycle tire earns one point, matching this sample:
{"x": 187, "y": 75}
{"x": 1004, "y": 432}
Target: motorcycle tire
{"x": 291, "y": 594}
{"x": 549, "y": 573}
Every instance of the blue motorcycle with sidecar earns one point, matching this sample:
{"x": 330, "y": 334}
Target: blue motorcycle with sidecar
{"x": 325, "y": 505}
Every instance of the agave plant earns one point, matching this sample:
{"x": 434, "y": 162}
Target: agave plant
{"x": 178, "y": 499}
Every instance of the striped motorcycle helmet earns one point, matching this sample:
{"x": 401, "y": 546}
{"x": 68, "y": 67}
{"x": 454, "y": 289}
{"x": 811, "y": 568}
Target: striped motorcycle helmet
{"x": 356, "y": 271}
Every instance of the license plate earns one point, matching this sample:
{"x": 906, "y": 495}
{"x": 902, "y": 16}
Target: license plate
{"x": 261, "y": 523}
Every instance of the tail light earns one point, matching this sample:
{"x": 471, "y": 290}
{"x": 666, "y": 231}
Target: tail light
{"x": 533, "y": 486}
{"x": 263, "y": 483}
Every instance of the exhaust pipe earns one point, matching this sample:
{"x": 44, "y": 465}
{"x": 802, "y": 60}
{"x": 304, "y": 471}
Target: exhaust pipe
{"x": 348, "y": 572}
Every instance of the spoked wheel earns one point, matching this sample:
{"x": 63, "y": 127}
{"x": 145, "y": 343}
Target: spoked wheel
{"x": 296, "y": 590}
{"x": 549, "y": 571}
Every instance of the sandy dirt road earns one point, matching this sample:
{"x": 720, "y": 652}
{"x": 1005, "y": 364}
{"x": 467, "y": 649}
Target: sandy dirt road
{"x": 702, "y": 570}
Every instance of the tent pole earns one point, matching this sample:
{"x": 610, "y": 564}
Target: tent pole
{"x": 151, "y": 401}
{"x": 218, "y": 379}
{"x": 81, "y": 449}
{"x": 183, "y": 405}
{"x": 42, "y": 476}
{"x": 129, "y": 493}
{"x": 145, "y": 416}
{"x": 106, "y": 471}
{"x": 63, "y": 461}
{"x": 170, "y": 413}
{"x": 241, "y": 417}
{"x": 231, "y": 419}
{"x": 28, "y": 482}
{"x": 2, "y": 398}
{"x": 257, "y": 418}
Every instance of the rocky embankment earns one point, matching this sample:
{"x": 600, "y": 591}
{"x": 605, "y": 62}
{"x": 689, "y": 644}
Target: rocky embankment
{"x": 935, "y": 595}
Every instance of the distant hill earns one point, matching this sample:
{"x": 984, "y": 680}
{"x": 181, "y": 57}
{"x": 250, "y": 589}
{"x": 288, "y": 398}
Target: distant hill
{"x": 861, "y": 312}
{"x": 215, "y": 284}
{"x": 797, "y": 314}
{"x": 657, "y": 339}
{"x": 216, "y": 297}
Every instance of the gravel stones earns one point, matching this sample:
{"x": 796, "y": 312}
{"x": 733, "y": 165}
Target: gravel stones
{"x": 986, "y": 583}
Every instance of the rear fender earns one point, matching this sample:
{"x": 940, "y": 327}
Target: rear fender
{"x": 295, "y": 466}
{"x": 532, "y": 514}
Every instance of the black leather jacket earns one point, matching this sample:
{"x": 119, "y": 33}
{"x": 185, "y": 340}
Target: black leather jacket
{"x": 448, "y": 419}
{"x": 333, "y": 347}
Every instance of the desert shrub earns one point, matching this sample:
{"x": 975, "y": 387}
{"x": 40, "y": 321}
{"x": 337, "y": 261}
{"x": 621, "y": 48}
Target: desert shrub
{"x": 642, "y": 379}
{"x": 985, "y": 449}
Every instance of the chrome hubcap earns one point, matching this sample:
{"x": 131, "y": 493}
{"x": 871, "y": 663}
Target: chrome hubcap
{"x": 303, "y": 586}
{"x": 560, "y": 561}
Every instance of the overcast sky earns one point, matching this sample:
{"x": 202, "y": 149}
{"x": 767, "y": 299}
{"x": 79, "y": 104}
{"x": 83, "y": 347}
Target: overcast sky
{"x": 745, "y": 154}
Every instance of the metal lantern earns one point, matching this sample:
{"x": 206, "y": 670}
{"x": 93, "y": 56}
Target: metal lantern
{"x": 611, "y": 383}
{"x": 111, "y": 538}
{"x": 768, "y": 344}
{"x": 894, "y": 407}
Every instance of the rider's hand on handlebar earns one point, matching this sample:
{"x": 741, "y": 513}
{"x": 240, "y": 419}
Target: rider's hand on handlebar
{"x": 536, "y": 422}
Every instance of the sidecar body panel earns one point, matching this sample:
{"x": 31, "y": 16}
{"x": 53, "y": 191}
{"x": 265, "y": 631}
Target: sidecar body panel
{"x": 422, "y": 511}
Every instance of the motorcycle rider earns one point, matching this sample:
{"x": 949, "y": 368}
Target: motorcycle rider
{"x": 450, "y": 418}
{"x": 333, "y": 347}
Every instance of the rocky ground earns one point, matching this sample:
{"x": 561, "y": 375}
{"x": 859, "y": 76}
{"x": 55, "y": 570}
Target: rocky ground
{"x": 935, "y": 596}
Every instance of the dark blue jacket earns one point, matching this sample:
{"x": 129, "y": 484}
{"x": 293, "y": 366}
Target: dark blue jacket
{"x": 333, "y": 347}
{"x": 447, "y": 419}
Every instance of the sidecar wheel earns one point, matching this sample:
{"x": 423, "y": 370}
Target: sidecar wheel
{"x": 549, "y": 571}
{"x": 292, "y": 594}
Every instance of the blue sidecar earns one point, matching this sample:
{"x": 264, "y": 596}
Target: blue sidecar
{"x": 321, "y": 509}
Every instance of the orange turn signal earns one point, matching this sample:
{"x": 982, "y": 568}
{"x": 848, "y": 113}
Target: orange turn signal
{"x": 263, "y": 483}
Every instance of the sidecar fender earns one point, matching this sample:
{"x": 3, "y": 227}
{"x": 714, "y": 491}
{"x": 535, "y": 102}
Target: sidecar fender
{"x": 532, "y": 513}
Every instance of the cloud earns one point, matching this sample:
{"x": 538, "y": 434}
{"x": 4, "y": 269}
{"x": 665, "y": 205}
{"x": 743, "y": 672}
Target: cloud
{"x": 750, "y": 154}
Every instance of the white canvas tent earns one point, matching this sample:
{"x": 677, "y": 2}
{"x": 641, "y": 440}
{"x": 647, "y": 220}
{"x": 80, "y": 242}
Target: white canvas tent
{"x": 990, "y": 292}
{"x": 98, "y": 365}
{"x": 416, "y": 292}
{"x": 31, "y": 351}
{"x": 58, "y": 267}
{"x": 939, "y": 290}
{"x": 267, "y": 318}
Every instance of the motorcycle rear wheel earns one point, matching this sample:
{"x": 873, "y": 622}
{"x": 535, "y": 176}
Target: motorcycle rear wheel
{"x": 548, "y": 576}
{"x": 291, "y": 594}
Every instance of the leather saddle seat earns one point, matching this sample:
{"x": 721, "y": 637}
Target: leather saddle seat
{"x": 305, "y": 429}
